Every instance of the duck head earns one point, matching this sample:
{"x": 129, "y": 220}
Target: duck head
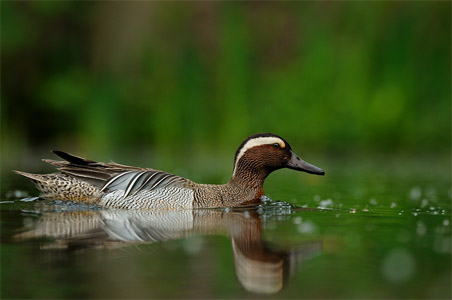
{"x": 263, "y": 153}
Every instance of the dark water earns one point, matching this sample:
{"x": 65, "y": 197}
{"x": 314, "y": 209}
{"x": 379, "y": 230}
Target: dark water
{"x": 378, "y": 236}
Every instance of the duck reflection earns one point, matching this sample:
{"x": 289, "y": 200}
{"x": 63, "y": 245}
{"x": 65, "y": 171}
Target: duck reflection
{"x": 260, "y": 267}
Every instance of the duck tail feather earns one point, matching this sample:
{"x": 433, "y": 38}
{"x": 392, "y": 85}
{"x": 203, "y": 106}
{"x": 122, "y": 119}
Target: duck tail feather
{"x": 56, "y": 163}
{"x": 76, "y": 160}
{"x": 32, "y": 177}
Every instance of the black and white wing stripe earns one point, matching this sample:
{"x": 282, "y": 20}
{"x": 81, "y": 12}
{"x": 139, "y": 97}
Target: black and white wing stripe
{"x": 133, "y": 182}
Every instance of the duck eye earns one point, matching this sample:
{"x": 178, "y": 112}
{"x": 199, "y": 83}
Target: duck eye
{"x": 276, "y": 145}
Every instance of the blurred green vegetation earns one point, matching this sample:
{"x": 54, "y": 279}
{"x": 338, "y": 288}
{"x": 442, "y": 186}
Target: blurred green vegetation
{"x": 116, "y": 79}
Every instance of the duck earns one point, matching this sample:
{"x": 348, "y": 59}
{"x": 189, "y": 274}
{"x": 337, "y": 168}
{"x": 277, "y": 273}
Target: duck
{"x": 113, "y": 185}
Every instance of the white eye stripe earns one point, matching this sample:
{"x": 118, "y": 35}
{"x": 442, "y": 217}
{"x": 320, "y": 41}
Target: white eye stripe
{"x": 258, "y": 142}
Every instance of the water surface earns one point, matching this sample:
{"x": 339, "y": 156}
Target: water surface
{"x": 384, "y": 235}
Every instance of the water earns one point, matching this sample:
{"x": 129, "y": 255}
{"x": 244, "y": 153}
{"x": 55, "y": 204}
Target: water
{"x": 385, "y": 235}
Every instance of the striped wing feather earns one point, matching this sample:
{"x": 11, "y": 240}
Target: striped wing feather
{"x": 133, "y": 182}
{"x": 112, "y": 176}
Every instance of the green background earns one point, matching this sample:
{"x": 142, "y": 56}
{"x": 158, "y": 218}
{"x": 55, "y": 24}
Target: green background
{"x": 360, "y": 89}
{"x": 169, "y": 83}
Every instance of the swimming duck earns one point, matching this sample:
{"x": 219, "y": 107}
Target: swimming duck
{"x": 120, "y": 186}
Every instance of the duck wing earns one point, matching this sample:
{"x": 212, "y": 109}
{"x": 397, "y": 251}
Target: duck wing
{"x": 133, "y": 182}
{"x": 112, "y": 176}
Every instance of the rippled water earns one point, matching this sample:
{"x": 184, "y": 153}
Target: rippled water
{"x": 348, "y": 238}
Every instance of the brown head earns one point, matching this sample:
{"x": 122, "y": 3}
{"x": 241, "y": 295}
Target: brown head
{"x": 263, "y": 153}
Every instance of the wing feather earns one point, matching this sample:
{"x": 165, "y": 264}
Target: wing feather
{"x": 146, "y": 180}
{"x": 119, "y": 182}
{"x": 134, "y": 183}
{"x": 161, "y": 179}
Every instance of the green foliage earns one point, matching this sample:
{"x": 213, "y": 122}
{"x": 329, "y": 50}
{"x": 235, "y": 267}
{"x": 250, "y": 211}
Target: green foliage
{"x": 118, "y": 76}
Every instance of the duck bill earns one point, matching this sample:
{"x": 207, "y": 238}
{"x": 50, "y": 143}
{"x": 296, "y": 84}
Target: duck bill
{"x": 296, "y": 163}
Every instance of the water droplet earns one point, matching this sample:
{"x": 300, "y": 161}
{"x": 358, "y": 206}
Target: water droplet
{"x": 415, "y": 193}
{"x": 352, "y": 211}
{"x": 398, "y": 265}
{"x": 16, "y": 194}
{"x": 297, "y": 220}
{"x": 421, "y": 229}
{"x": 393, "y": 204}
{"x": 325, "y": 203}
{"x": 446, "y": 222}
{"x": 424, "y": 203}
{"x": 29, "y": 199}
{"x": 307, "y": 227}
{"x": 373, "y": 201}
